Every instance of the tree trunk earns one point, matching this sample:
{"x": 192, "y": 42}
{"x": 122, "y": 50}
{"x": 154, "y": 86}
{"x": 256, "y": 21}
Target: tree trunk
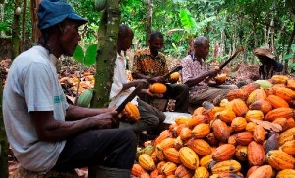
{"x": 106, "y": 55}
{"x": 149, "y": 17}
{"x": 22, "y": 48}
{"x": 3, "y": 141}
{"x": 34, "y": 19}
{"x": 16, "y": 41}
{"x": 292, "y": 40}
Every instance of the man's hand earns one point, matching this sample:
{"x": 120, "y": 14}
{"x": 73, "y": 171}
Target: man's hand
{"x": 106, "y": 120}
{"x": 154, "y": 95}
{"x": 137, "y": 82}
{"x": 213, "y": 72}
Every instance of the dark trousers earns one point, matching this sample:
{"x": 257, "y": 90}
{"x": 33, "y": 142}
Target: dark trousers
{"x": 150, "y": 118}
{"x": 114, "y": 148}
{"x": 179, "y": 93}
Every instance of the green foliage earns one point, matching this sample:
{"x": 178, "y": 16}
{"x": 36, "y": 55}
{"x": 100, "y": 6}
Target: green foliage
{"x": 89, "y": 57}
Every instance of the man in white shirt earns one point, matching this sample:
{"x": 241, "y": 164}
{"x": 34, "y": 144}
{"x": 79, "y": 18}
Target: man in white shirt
{"x": 150, "y": 117}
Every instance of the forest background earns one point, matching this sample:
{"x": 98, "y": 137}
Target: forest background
{"x": 228, "y": 24}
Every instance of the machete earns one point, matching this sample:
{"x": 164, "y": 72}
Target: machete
{"x": 231, "y": 58}
{"x": 129, "y": 98}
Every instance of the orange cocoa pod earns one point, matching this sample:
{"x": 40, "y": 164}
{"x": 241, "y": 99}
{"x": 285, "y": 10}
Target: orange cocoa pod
{"x": 250, "y": 127}
{"x": 220, "y": 130}
{"x": 249, "y": 88}
{"x": 237, "y": 93}
{"x": 228, "y": 175}
{"x": 256, "y": 154}
{"x": 199, "y": 146}
{"x": 279, "y": 79}
{"x": 286, "y": 173}
{"x": 262, "y": 105}
{"x": 278, "y": 113}
{"x": 239, "y": 107}
{"x": 164, "y": 134}
{"x": 290, "y": 122}
{"x": 137, "y": 170}
{"x": 181, "y": 119}
{"x": 259, "y": 134}
{"x": 251, "y": 170}
{"x": 286, "y": 93}
{"x": 199, "y": 111}
{"x": 160, "y": 165}
{"x": 185, "y": 133}
{"x": 290, "y": 84}
{"x": 168, "y": 168}
{"x": 200, "y": 131}
{"x": 238, "y": 124}
{"x": 223, "y": 152}
{"x": 286, "y": 136}
{"x": 232, "y": 139}
{"x": 166, "y": 143}
{"x": 288, "y": 147}
{"x": 277, "y": 102}
{"x": 282, "y": 122}
{"x": 280, "y": 160}
{"x": 154, "y": 173}
{"x": 244, "y": 138}
{"x": 226, "y": 115}
{"x": 196, "y": 120}
{"x": 172, "y": 155}
{"x": 176, "y": 131}
{"x": 264, "y": 171}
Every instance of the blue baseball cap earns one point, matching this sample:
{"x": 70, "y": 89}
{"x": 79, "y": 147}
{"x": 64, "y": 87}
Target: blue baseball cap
{"x": 52, "y": 12}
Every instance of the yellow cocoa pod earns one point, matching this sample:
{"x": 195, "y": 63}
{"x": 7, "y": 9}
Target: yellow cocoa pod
{"x": 226, "y": 166}
{"x": 146, "y": 162}
{"x": 189, "y": 158}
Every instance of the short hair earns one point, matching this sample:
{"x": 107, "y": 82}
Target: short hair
{"x": 155, "y": 34}
{"x": 124, "y": 30}
{"x": 200, "y": 40}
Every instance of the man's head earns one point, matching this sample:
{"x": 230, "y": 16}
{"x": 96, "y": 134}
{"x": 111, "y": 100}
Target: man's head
{"x": 59, "y": 24}
{"x": 201, "y": 47}
{"x": 156, "y": 42}
{"x": 264, "y": 54}
{"x": 125, "y": 37}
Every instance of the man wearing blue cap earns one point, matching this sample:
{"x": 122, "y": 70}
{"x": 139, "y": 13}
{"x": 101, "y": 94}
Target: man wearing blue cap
{"x": 45, "y": 132}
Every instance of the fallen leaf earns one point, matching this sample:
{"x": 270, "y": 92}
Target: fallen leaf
{"x": 268, "y": 125}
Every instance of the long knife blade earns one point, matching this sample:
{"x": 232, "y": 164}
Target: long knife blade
{"x": 231, "y": 58}
{"x": 129, "y": 98}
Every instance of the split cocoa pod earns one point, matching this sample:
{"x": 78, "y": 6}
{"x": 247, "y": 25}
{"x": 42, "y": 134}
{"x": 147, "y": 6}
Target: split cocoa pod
{"x": 220, "y": 78}
{"x": 131, "y": 112}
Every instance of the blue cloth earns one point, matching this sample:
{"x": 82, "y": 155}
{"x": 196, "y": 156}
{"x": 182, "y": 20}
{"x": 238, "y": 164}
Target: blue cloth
{"x": 52, "y": 12}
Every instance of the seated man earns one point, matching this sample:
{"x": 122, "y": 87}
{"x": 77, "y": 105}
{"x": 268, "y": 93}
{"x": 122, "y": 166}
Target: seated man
{"x": 43, "y": 130}
{"x": 151, "y": 64}
{"x": 196, "y": 74}
{"x": 269, "y": 65}
{"x": 150, "y": 117}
